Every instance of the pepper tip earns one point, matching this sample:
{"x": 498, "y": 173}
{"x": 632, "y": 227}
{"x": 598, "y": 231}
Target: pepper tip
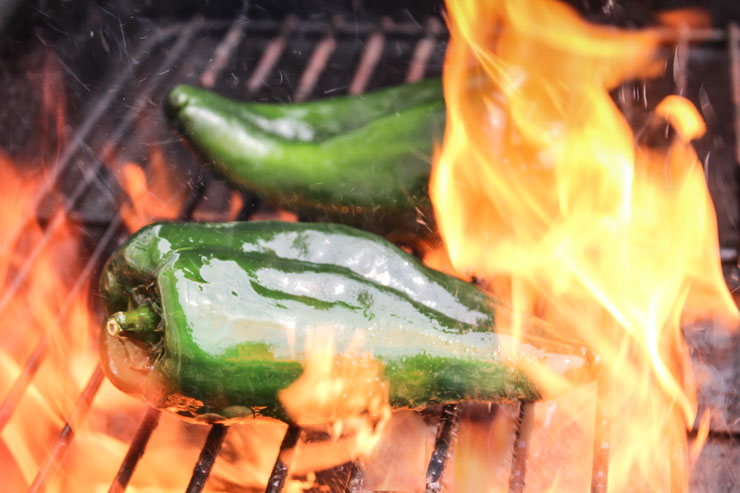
{"x": 177, "y": 99}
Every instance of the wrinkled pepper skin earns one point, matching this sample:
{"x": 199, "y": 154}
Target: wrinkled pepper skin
{"x": 237, "y": 300}
{"x": 362, "y": 160}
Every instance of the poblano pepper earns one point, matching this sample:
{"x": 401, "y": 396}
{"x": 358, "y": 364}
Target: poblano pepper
{"x": 209, "y": 320}
{"x": 362, "y": 160}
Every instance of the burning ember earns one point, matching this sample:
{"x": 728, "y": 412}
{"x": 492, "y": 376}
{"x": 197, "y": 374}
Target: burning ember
{"x": 542, "y": 190}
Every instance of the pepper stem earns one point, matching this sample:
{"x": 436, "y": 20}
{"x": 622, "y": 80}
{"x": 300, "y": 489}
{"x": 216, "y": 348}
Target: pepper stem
{"x": 139, "y": 323}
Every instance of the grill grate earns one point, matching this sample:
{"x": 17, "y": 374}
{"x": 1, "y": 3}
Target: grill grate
{"x": 135, "y": 451}
{"x": 213, "y": 54}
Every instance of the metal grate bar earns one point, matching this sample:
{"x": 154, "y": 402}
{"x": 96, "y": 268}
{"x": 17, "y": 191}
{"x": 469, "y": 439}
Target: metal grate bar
{"x": 224, "y": 51}
{"x": 626, "y": 98}
{"x": 734, "y": 42}
{"x": 692, "y": 35}
{"x": 602, "y": 427}
{"x": 92, "y": 171}
{"x": 355, "y": 480}
{"x": 414, "y": 28}
{"x": 18, "y": 390}
{"x": 135, "y": 451}
{"x": 271, "y": 55}
{"x": 315, "y": 66}
{"x": 317, "y": 63}
{"x": 521, "y": 443}
{"x": 37, "y": 356}
{"x": 282, "y": 463}
{"x": 357, "y": 27}
{"x": 178, "y": 50}
{"x": 207, "y": 457}
{"x": 441, "y": 452}
{"x": 680, "y": 62}
{"x": 424, "y": 50}
{"x": 370, "y": 57}
{"x": 54, "y": 460}
{"x": 112, "y": 88}
{"x": 56, "y": 222}
{"x": 217, "y": 433}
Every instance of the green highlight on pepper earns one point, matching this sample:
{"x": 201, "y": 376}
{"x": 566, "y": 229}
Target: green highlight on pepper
{"x": 210, "y": 320}
{"x": 362, "y": 160}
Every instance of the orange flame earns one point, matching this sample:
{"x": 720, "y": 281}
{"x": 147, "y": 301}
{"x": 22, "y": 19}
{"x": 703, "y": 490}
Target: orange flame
{"x": 334, "y": 388}
{"x": 153, "y": 195}
{"x": 342, "y": 395}
{"x": 49, "y": 303}
{"x": 686, "y": 18}
{"x": 45, "y": 304}
{"x": 541, "y": 190}
{"x": 40, "y": 306}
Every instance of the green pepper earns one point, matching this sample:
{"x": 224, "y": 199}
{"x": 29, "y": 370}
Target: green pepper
{"x": 210, "y": 320}
{"x": 362, "y": 160}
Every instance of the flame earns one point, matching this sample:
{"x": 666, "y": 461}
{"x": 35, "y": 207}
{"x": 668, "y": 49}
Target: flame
{"x": 46, "y": 304}
{"x": 688, "y": 17}
{"x": 41, "y": 306}
{"x": 336, "y": 387}
{"x": 342, "y": 395}
{"x": 434, "y": 254}
{"x": 482, "y": 451}
{"x": 43, "y": 298}
{"x": 153, "y": 195}
{"x": 540, "y": 192}
{"x": 399, "y": 459}
{"x": 541, "y": 189}
{"x": 50, "y": 302}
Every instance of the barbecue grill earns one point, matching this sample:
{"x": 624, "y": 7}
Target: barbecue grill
{"x": 117, "y": 63}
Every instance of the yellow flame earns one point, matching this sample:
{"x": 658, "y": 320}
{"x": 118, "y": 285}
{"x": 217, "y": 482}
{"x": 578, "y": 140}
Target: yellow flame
{"x": 541, "y": 189}
{"x": 342, "y": 394}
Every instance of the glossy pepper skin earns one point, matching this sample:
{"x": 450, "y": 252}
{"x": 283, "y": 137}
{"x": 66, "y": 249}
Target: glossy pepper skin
{"x": 208, "y": 320}
{"x": 362, "y": 160}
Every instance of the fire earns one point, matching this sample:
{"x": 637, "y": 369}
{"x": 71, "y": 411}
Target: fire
{"x": 40, "y": 314}
{"x": 541, "y": 192}
{"x": 541, "y": 189}
{"x": 342, "y": 395}
{"x": 146, "y": 205}
{"x": 45, "y": 310}
{"x": 152, "y": 193}
{"x": 49, "y": 313}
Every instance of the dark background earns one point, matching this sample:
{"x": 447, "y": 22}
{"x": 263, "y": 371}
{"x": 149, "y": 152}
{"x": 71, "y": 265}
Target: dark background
{"x": 17, "y": 17}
